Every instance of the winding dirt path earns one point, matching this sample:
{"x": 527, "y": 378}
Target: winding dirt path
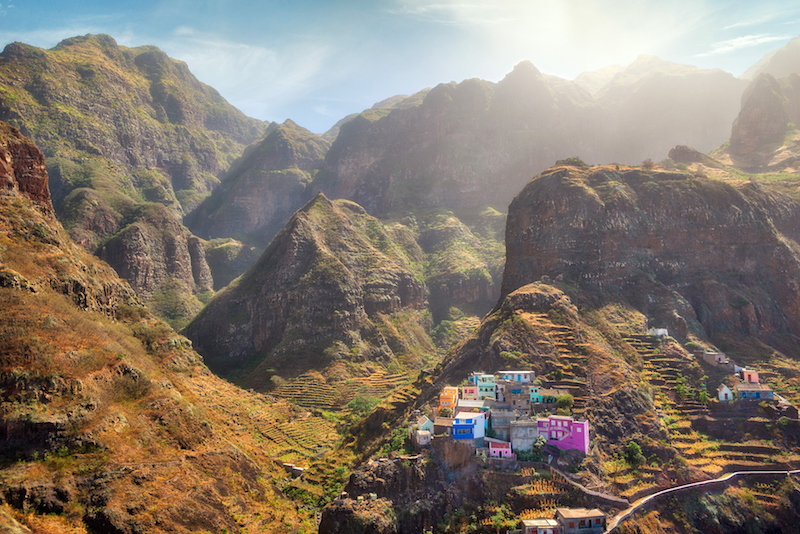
{"x": 622, "y": 516}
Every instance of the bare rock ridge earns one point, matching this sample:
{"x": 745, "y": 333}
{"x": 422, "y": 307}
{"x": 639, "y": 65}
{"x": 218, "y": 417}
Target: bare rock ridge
{"x": 711, "y": 245}
{"x": 315, "y": 296}
{"x": 22, "y": 168}
{"x": 264, "y": 188}
{"x": 123, "y": 129}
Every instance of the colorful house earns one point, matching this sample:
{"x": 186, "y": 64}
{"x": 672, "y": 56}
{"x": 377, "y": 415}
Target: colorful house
{"x": 448, "y": 398}
{"x": 565, "y": 433}
{"x": 486, "y": 385}
{"x": 724, "y": 393}
{"x": 423, "y": 423}
{"x": 469, "y": 392}
{"x": 470, "y": 425}
{"x": 580, "y": 520}
{"x": 499, "y": 449}
{"x": 751, "y": 391}
{"x": 540, "y": 395}
{"x": 749, "y": 375}
{"x": 518, "y": 376}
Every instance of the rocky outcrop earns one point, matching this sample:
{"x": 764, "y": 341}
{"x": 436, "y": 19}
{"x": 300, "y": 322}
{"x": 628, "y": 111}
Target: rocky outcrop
{"x": 688, "y": 155}
{"x": 310, "y": 298}
{"x": 69, "y": 270}
{"x": 22, "y": 168}
{"x": 726, "y": 255}
{"x": 154, "y": 248}
{"x": 264, "y": 187}
{"x": 762, "y": 119}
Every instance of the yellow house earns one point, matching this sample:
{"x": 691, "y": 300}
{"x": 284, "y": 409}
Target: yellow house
{"x": 448, "y": 398}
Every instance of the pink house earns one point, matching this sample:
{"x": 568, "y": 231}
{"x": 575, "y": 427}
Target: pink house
{"x": 469, "y": 393}
{"x": 500, "y": 450}
{"x": 749, "y": 375}
{"x": 565, "y": 433}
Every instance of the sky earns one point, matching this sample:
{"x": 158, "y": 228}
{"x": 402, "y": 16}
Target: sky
{"x": 316, "y": 61}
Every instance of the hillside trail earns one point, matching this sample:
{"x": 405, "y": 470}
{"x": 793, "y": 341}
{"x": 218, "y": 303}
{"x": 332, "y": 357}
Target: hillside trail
{"x": 612, "y": 526}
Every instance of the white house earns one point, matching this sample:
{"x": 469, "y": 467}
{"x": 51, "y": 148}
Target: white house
{"x": 724, "y": 393}
{"x": 525, "y": 377}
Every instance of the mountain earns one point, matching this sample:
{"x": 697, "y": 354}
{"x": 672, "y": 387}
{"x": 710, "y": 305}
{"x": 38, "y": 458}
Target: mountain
{"x": 109, "y": 421}
{"x": 264, "y": 187}
{"x": 333, "y": 286}
{"x": 654, "y": 105}
{"x": 596, "y": 80}
{"x": 123, "y": 128}
{"x": 779, "y": 63}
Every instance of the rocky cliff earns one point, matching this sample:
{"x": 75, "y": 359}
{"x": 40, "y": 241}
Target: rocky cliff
{"x": 728, "y": 255}
{"x": 124, "y": 127}
{"x": 22, "y": 168}
{"x": 105, "y": 419}
{"x": 322, "y": 291}
{"x": 264, "y": 187}
{"x": 763, "y": 136}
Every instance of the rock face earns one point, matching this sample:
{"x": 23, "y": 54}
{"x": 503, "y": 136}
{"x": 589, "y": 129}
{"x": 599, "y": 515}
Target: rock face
{"x": 22, "y": 168}
{"x": 770, "y": 108}
{"x": 727, "y": 255}
{"x": 154, "y": 248}
{"x": 123, "y": 128}
{"x": 90, "y": 285}
{"x": 264, "y": 187}
{"x": 311, "y": 297}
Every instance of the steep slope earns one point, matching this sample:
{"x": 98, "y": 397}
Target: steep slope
{"x": 333, "y": 285}
{"x": 109, "y": 421}
{"x": 264, "y": 187}
{"x": 764, "y": 136}
{"x": 779, "y": 63}
{"x": 705, "y": 242}
{"x": 123, "y": 127}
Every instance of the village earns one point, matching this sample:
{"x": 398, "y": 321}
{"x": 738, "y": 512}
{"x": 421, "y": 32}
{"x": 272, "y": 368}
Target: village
{"x": 511, "y": 418}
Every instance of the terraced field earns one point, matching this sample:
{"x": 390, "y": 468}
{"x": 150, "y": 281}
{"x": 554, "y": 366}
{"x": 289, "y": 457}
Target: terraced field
{"x": 312, "y": 390}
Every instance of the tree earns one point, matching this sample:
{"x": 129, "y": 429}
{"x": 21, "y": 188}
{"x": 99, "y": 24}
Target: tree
{"x": 446, "y": 412}
{"x": 565, "y": 401}
{"x": 633, "y": 454}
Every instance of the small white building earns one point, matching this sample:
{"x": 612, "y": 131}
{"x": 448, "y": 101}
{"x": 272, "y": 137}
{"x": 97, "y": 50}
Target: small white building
{"x": 659, "y": 332}
{"x": 525, "y": 377}
{"x": 724, "y": 393}
{"x": 539, "y": 526}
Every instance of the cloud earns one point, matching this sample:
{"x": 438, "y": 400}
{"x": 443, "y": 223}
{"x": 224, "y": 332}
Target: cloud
{"x": 257, "y": 79}
{"x": 746, "y": 41}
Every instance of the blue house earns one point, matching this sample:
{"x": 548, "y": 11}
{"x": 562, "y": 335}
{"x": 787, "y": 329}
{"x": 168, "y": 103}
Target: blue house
{"x": 751, "y": 391}
{"x": 470, "y": 425}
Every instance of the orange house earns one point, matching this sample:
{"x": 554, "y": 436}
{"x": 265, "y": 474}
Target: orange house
{"x": 448, "y": 398}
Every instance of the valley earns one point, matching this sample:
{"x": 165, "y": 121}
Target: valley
{"x": 212, "y": 323}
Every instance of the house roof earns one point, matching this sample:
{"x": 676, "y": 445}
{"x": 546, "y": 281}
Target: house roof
{"x": 719, "y": 387}
{"x": 422, "y": 420}
{"x": 443, "y": 421}
{"x": 540, "y": 522}
{"x": 751, "y": 386}
{"x": 496, "y": 444}
{"x": 579, "y": 513}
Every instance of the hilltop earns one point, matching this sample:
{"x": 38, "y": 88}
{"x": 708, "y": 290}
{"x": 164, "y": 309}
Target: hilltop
{"x": 133, "y": 142}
